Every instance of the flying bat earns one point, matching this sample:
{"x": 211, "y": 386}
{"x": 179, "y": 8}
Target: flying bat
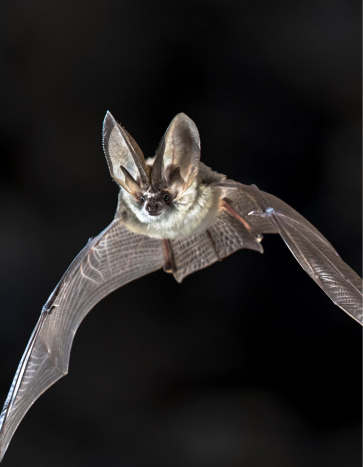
{"x": 174, "y": 213}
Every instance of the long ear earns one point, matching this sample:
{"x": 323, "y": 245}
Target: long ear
{"x": 121, "y": 150}
{"x": 177, "y": 159}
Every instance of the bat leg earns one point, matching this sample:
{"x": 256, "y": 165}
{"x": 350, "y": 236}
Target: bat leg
{"x": 169, "y": 263}
{"x": 227, "y": 207}
{"x": 212, "y": 242}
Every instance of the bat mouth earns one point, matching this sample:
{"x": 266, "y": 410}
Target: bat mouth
{"x": 154, "y": 214}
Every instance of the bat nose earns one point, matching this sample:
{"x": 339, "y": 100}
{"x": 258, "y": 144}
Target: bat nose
{"x": 153, "y": 208}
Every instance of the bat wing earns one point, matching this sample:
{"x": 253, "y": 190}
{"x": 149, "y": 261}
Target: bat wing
{"x": 251, "y": 213}
{"x": 314, "y": 253}
{"x": 108, "y": 261}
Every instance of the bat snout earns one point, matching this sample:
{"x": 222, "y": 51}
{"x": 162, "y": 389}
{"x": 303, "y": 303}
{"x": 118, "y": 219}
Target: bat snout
{"x": 153, "y": 208}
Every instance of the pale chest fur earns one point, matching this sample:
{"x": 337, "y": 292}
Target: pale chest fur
{"x": 195, "y": 212}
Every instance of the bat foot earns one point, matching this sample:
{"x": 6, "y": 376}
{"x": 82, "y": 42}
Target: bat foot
{"x": 211, "y": 239}
{"x": 169, "y": 263}
{"x": 167, "y": 268}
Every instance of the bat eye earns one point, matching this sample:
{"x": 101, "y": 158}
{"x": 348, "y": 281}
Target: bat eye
{"x": 166, "y": 198}
{"x": 142, "y": 198}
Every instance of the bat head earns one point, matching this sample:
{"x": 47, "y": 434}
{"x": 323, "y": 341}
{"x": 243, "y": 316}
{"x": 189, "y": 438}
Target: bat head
{"x": 156, "y": 183}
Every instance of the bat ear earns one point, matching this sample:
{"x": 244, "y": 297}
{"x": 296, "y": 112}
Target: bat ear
{"x": 124, "y": 156}
{"x": 177, "y": 159}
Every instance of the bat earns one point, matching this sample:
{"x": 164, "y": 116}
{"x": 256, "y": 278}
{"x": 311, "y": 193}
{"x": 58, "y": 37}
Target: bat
{"x": 174, "y": 213}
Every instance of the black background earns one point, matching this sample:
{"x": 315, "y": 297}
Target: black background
{"x": 247, "y": 362}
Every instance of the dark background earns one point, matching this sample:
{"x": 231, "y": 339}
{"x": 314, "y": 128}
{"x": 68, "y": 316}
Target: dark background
{"x": 247, "y": 362}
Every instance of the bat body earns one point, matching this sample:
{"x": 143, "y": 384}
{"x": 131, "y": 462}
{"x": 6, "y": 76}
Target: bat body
{"x": 174, "y": 213}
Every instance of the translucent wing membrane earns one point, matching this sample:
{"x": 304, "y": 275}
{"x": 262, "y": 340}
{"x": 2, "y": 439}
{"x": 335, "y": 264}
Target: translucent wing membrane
{"x": 107, "y": 262}
{"x": 225, "y": 237}
{"x": 317, "y": 257}
{"x": 268, "y": 214}
{"x": 118, "y": 256}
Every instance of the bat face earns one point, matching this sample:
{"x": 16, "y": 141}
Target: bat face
{"x": 156, "y": 203}
{"x": 166, "y": 196}
{"x": 151, "y": 203}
